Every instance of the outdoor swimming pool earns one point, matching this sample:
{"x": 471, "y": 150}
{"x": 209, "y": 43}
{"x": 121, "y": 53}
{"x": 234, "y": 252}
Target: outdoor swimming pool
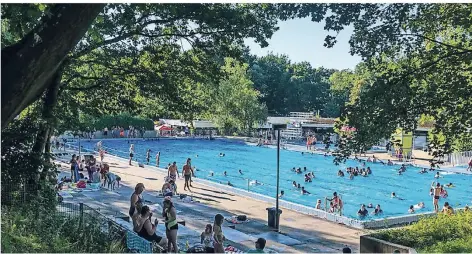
{"x": 259, "y": 163}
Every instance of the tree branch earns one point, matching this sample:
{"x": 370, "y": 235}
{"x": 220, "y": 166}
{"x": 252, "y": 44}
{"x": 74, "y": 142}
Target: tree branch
{"x": 433, "y": 40}
{"x": 97, "y": 85}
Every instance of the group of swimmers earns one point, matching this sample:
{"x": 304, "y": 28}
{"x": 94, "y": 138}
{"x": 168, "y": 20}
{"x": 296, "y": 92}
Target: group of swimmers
{"x": 355, "y": 172}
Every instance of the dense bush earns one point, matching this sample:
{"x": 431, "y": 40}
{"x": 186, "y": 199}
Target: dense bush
{"x": 123, "y": 120}
{"x": 34, "y": 229}
{"x": 438, "y": 234}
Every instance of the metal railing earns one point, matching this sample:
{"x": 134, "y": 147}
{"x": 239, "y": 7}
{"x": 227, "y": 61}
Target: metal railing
{"x": 457, "y": 158}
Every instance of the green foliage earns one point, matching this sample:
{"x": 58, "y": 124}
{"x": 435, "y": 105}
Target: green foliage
{"x": 418, "y": 59}
{"x": 236, "y": 105}
{"x": 123, "y": 120}
{"x": 32, "y": 228}
{"x": 441, "y": 234}
{"x": 287, "y": 87}
{"x": 20, "y": 165}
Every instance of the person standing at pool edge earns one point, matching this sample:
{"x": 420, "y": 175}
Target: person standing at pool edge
{"x": 158, "y": 156}
{"x": 187, "y": 171}
{"x": 131, "y": 153}
{"x": 437, "y": 192}
{"x": 148, "y": 156}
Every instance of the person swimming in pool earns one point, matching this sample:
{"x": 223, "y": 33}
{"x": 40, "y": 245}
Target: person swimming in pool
{"x": 303, "y": 191}
{"x": 450, "y": 185}
{"x": 340, "y": 173}
{"x": 423, "y": 170}
{"x": 211, "y": 173}
{"x": 420, "y": 205}
{"x": 351, "y": 175}
{"x": 318, "y": 204}
{"x": 299, "y": 170}
{"x": 299, "y": 186}
{"x": 281, "y": 194}
{"x": 230, "y": 184}
{"x": 437, "y": 175}
{"x": 369, "y": 171}
{"x": 377, "y": 210}
{"x": 294, "y": 184}
{"x": 304, "y": 169}
{"x": 240, "y": 172}
{"x": 370, "y": 205}
{"x": 412, "y": 209}
{"x": 363, "y": 211}
{"x": 222, "y": 155}
{"x": 395, "y": 196}
{"x": 307, "y": 178}
{"x": 389, "y": 163}
{"x": 225, "y": 174}
{"x": 294, "y": 169}
{"x": 400, "y": 172}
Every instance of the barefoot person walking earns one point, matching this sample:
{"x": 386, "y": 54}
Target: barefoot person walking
{"x": 173, "y": 172}
{"x": 131, "y": 153}
{"x": 187, "y": 171}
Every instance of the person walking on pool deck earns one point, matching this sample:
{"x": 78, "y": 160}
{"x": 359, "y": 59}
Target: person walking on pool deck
{"x": 189, "y": 161}
{"x": 136, "y": 198}
{"x": 131, "y": 153}
{"x": 172, "y": 172}
{"x": 158, "y": 156}
{"x": 218, "y": 237}
{"x": 187, "y": 171}
{"x": 170, "y": 215}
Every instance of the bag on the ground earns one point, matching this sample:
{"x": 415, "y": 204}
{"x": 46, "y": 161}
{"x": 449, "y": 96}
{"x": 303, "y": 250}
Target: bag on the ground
{"x": 241, "y": 217}
{"x": 197, "y": 249}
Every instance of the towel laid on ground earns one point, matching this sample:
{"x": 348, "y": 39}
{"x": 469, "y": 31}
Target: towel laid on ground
{"x": 232, "y": 249}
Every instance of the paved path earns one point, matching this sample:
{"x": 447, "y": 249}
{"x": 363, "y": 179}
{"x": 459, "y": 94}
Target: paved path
{"x": 300, "y": 233}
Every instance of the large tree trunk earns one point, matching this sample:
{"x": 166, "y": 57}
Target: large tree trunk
{"x": 28, "y": 65}
{"x": 47, "y": 115}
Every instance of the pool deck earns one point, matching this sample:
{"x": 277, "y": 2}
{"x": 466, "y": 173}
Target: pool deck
{"x": 300, "y": 232}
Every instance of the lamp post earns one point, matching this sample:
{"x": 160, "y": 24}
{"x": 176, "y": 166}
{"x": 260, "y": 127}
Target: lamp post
{"x": 278, "y": 127}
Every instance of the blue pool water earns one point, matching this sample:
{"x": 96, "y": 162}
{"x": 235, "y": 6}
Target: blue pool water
{"x": 260, "y": 163}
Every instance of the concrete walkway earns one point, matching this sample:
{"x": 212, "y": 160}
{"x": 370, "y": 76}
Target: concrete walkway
{"x": 299, "y": 232}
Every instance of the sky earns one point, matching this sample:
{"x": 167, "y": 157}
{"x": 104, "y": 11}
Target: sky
{"x": 302, "y": 40}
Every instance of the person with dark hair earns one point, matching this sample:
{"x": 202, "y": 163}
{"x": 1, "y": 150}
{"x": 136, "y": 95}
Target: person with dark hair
{"x": 136, "y": 198}
{"x": 206, "y": 238}
{"x": 73, "y": 163}
{"x": 170, "y": 215}
{"x": 347, "y": 250}
{"x": 144, "y": 227}
{"x": 131, "y": 153}
{"x": 187, "y": 172}
{"x": 218, "y": 237}
{"x": 260, "y": 245}
{"x": 148, "y": 156}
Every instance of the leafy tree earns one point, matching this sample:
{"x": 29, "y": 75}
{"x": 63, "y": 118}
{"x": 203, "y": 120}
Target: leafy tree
{"x": 29, "y": 65}
{"x": 420, "y": 55}
{"x": 128, "y": 56}
{"x": 287, "y": 87}
{"x": 236, "y": 105}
